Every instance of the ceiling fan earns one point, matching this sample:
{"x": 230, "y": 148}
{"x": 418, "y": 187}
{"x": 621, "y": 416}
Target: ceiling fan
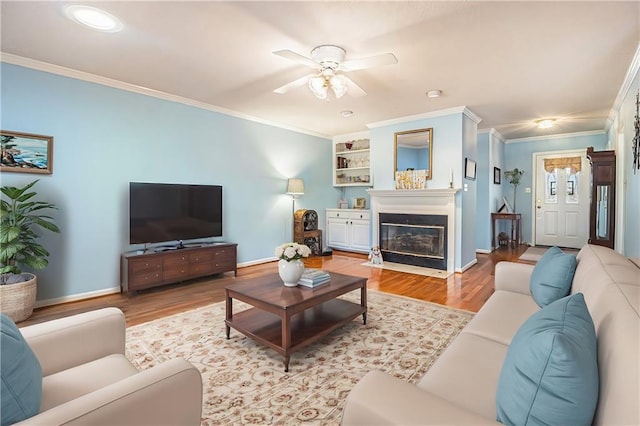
{"x": 329, "y": 61}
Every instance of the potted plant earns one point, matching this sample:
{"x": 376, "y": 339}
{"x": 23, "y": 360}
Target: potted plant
{"x": 514, "y": 179}
{"x": 20, "y": 216}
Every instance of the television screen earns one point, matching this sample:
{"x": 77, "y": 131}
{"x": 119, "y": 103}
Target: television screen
{"x": 160, "y": 212}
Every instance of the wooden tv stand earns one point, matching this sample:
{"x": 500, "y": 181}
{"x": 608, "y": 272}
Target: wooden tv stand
{"x": 153, "y": 269}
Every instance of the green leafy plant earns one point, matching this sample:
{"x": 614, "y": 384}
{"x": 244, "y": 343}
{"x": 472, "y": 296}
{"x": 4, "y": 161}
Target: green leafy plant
{"x": 513, "y": 176}
{"x": 19, "y": 216}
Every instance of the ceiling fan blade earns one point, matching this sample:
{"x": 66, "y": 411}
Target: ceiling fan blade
{"x": 370, "y": 62}
{"x": 294, "y": 84}
{"x": 295, "y": 57}
{"x": 353, "y": 89}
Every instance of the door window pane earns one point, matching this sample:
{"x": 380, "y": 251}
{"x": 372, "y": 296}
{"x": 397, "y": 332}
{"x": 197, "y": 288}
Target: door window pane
{"x": 572, "y": 186}
{"x": 551, "y": 187}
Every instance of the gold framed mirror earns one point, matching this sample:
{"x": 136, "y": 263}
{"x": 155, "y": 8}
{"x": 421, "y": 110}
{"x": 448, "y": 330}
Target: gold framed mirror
{"x": 413, "y": 150}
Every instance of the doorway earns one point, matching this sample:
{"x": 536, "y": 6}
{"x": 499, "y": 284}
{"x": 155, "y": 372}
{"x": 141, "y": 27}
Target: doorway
{"x": 561, "y": 198}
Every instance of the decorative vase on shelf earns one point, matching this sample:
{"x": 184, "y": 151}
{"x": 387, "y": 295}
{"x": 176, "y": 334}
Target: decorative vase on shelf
{"x": 290, "y": 271}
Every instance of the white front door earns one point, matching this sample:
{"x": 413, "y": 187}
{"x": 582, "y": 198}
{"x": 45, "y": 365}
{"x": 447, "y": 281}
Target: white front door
{"x": 562, "y": 198}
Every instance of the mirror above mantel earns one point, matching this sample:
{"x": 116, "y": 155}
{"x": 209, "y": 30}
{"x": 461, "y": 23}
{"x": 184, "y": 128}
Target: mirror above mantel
{"x": 413, "y": 151}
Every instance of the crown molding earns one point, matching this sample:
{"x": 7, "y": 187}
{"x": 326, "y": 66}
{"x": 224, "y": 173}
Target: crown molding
{"x": 492, "y": 132}
{"x": 433, "y": 114}
{"x": 632, "y": 72}
{"x": 117, "y": 84}
{"x": 556, "y": 136}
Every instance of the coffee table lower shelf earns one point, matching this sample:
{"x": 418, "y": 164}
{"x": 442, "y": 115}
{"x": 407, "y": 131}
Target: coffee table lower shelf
{"x": 306, "y": 326}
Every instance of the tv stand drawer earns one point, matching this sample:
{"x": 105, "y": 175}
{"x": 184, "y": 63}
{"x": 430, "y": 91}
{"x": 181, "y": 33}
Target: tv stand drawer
{"x": 149, "y": 270}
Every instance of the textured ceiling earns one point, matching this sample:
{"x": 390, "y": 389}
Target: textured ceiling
{"x": 508, "y": 62}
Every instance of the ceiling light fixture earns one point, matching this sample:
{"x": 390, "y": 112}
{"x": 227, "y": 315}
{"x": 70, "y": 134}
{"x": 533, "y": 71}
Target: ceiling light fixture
{"x": 321, "y": 83}
{"x": 346, "y": 113}
{"x": 546, "y": 123}
{"x": 434, "y": 93}
{"x": 94, "y": 18}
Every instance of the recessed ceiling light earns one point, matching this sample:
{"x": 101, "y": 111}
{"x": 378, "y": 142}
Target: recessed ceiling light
{"x": 546, "y": 123}
{"x": 94, "y": 18}
{"x": 434, "y": 93}
{"x": 346, "y": 113}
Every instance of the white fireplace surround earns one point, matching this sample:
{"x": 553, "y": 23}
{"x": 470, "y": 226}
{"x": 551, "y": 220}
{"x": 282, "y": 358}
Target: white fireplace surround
{"x": 419, "y": 201}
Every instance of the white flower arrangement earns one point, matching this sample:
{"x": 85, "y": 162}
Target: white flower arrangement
{"x": 292, "y": 251}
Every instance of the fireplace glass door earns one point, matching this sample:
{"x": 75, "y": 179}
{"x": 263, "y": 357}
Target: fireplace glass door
{"x": 418, "y": 240}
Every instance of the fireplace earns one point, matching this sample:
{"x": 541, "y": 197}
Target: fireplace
{"x": 414, "y": 239}
{"x": 428, "y": 202}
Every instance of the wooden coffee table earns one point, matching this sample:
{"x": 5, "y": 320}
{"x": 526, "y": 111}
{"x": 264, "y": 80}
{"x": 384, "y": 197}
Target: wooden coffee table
{"x": 287, "y": 319}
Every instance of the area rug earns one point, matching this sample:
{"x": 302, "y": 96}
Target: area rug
{"x": 245, "y": 383}
{"x": 410, "y": 269}
{"x": 533, "y": 254}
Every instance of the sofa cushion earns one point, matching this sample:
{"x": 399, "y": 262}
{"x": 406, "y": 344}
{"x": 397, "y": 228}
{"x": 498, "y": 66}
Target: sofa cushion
{"x": 552, "y": 276}
{"x": 466, "y": 374}
{"x": 21, "y": 389}
{"x": 550, "y": 372}
{"x": 70, "y": 384}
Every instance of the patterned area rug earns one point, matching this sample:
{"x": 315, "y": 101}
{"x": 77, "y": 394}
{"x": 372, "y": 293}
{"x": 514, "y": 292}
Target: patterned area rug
{"x": 245, "y": 383}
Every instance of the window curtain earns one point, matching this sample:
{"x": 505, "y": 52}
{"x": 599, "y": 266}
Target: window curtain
{"x": 574, "y": 163}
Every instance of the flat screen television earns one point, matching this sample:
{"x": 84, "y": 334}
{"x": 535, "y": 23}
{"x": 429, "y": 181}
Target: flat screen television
{"x": 161, "y": 212}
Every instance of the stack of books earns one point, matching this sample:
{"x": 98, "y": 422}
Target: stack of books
{"x": 314, "y": 278}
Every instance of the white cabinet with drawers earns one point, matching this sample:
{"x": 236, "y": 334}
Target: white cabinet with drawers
{"x": 349, "y": 229}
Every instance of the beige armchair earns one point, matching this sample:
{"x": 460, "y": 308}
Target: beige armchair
{"x": 88, "y": 380}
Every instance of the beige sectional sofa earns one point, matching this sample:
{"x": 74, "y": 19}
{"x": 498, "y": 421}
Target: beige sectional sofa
{"x": 460, "y": 388}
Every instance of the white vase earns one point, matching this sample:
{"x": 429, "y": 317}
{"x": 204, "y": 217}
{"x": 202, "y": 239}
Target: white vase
{"x": 291, "y": 271}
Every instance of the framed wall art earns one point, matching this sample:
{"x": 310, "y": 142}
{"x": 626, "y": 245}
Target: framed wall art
{"x": 359, "y": 203}
{"x": 469, "y": 169}
{"x": 26, "y": 152}
{"x": 496, "y": 176}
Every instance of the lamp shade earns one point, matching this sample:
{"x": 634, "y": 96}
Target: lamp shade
{"x": 295, "y": 187}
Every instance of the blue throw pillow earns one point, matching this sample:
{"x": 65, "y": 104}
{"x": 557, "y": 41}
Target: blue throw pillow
{"x": 552, "y": 276}
{"x": 21, "y": 390}
{"x": 550, "y": 373}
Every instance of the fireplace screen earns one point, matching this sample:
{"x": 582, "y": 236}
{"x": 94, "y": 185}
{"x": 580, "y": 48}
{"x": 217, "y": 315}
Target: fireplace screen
{"x": 414, "y": 239}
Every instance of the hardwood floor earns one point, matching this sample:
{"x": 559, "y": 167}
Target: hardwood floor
{"x": 468, "y": 291}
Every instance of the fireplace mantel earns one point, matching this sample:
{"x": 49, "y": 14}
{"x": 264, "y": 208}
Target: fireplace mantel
{"x": 444, "y": 192}
{"x": 419, "y": 201}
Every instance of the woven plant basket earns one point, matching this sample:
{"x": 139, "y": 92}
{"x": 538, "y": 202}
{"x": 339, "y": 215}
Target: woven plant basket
{"x": 17, "y": 300}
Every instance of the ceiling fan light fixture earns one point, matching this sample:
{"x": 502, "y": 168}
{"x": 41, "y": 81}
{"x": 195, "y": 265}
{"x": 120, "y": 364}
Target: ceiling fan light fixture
{"x": 318, "y": 87}
{"x": 94, "y": 18}
{"x": 546, "y": 123}
{"x": 339, "y": 85}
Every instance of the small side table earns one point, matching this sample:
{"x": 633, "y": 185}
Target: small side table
{"x": 515, "y": 222}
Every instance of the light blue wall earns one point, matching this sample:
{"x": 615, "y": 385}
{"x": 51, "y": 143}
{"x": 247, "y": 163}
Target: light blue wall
{"x": 469, "y": 193}
{"x": 447, "y": 151}
{"x": 483, "y": 240}
{"x": 106, "y": 137}
{"x": 490, "y": 155}
{"x": 520, "y": 154}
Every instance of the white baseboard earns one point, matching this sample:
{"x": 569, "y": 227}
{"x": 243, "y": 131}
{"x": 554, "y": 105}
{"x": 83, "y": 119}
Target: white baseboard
{"x": 467, "y": 266}
{"x": 76, "y": 297}
{"x": 483, "y": 251}
{"x": 257, "y": 262}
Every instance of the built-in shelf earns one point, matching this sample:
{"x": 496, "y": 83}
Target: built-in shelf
{"x": 351, "y": 163}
